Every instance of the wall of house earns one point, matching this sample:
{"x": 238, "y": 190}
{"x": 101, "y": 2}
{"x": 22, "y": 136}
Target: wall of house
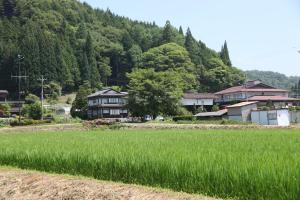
{"x": 272, "y": 117}
{"x": 106, "y": 100}
{"x": 197, "y": 102}
{"x": 243, "y": 95}
{"x": 241, "y": 113}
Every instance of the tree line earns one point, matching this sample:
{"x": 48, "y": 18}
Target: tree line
{"x": 70, "y": 43}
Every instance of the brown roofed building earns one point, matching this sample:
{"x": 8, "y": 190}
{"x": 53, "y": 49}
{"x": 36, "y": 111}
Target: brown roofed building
{"x": 250, "y": 89}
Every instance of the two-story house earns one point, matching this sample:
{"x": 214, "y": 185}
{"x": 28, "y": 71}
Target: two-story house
{"x": 251, "y": 89}
{"x": 107, "y": 103}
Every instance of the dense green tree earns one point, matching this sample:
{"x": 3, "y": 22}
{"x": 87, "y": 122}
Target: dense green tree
{"x": 154, "y": 93}
{"x": 168, "y": 33}
{"x": 104, "y": 69}
{"x": 171, "y": 56}
{"x": 180, "y": 31}
{"x": 93, "y": 73}
{"x": 224, "y": 54}
{"x": 135, "y": 56}
{"x": 192, "y": 47}
{"x": 80, "y": 104}
{"x": 53, "y": 92}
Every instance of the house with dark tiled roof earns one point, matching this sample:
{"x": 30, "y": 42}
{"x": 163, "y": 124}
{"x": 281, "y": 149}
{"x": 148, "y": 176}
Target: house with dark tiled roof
{"x": 107, "y": 103}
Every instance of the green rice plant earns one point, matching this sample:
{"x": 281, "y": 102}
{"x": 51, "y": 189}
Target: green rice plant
{"x": 242, "y": 164}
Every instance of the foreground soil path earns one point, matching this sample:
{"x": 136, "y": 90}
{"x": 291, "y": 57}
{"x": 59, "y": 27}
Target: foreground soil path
{"x": 24, "y": 185}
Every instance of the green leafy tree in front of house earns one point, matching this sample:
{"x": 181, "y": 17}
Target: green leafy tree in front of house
{"x": 80, "y": 104}
{"x": 154, "y": 93}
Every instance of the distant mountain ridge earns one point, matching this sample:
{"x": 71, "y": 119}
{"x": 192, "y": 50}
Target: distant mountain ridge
{"x": 274, "y": 79}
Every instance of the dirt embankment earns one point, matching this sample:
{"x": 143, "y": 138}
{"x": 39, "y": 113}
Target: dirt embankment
{"x": 23, "y": 185}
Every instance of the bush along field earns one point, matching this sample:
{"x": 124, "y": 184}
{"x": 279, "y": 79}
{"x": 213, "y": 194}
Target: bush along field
{"x": 247, "y": 164}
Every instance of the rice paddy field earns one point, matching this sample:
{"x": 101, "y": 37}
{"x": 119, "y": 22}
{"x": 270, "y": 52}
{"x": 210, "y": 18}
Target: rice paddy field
{"x": 239, "y": 164}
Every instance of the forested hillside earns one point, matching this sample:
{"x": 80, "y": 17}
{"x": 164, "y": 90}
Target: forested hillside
{"x": 70, "y": 42}
{"x": 273, "y": 78}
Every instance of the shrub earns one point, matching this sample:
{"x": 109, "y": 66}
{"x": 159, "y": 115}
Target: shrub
{"x": 215, "y": 108}
{"x": 4, "y": 122}
{"x": 28, "y": 122}
{"x": 4, "y": 109}
{"x": 33, "y": 111}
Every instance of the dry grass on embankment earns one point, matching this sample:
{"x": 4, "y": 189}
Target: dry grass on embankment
{"x": 17, "y": 184}
{"x": 160, "y": 126}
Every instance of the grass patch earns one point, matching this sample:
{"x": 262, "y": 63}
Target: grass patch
{"x": 247, "y": 164}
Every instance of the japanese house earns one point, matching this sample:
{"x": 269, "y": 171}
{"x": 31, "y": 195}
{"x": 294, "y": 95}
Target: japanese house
{"x": 107, "y": 103}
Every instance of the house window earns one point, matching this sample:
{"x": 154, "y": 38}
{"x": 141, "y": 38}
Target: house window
{"x": 104, "y": 101}
{"x": 113, "y": 100}
{"x": 114, "y": 112}
{"x": 95, "y": 102}
{"x": 124, "y": 111}
{"x": 105, "y": 111}
{"x": 95, "y": 113}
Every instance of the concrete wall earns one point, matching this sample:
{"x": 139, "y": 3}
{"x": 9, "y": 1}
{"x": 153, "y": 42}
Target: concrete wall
{"x": 295, "y": 117}
{"x": 272, "y": 117}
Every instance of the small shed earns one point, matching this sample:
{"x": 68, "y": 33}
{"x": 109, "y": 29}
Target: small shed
{"x": 241, "y": 111}
{"x": 212, "y": 115}
{"x": 280, "y": 117}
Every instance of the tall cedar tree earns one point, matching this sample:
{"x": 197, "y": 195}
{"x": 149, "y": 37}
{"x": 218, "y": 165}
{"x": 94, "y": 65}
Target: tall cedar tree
{"x": 225, "y": 55}
{"x": 192, "y": 47}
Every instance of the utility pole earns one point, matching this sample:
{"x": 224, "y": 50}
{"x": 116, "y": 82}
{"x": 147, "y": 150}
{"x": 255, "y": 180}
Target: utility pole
{"x": 42, "y": 94}
{"x": 19, "y": 77}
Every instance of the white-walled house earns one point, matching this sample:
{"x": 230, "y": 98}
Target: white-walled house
{"x": 193, "y": 99}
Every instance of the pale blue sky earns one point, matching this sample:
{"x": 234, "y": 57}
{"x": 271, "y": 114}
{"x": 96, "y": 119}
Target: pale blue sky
{"x": 261, "y": 34}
